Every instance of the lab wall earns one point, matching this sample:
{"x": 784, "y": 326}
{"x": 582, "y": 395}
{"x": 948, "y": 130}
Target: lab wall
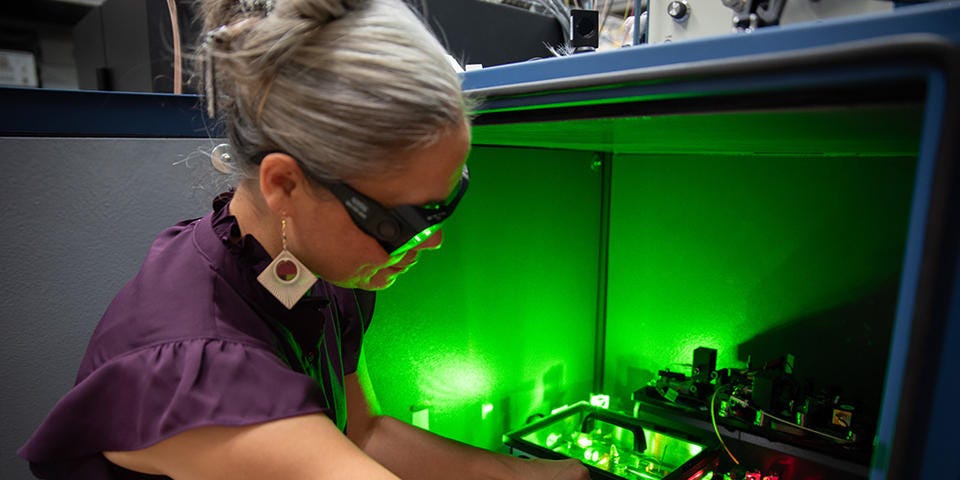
{"x": 79, "y": 215}
{"x": 498, "y": 326}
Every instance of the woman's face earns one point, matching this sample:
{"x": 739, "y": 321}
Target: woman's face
{"x": 328, "y": 242}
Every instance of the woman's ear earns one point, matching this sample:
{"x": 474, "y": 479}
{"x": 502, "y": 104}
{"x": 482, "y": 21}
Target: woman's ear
{"x": 280, "y": 180}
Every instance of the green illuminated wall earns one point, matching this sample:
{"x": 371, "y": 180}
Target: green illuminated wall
{"x": 755, "y": 255}
{"x": 504, "y": 314}
{"x": 758, "y": 233}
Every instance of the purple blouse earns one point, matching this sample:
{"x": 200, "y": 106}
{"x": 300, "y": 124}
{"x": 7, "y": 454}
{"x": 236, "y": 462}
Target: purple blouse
{"x": 194, "y": 340}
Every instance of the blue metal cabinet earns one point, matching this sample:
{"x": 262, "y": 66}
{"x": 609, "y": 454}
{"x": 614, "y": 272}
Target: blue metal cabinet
{"x": 909, "y": 55}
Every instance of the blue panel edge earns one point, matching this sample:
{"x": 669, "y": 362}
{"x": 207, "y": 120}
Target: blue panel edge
{"x": 79, "y": 113}
{"x": 941, "y": 19}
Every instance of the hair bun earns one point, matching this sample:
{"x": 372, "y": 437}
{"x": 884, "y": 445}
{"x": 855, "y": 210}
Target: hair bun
{"x": 320, "y": 11}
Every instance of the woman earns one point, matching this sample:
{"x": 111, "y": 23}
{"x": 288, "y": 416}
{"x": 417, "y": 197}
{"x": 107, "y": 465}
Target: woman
{"x": 236, "y": 351}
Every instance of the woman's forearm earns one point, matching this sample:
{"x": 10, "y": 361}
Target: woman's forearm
{"x": 413, "y": 453}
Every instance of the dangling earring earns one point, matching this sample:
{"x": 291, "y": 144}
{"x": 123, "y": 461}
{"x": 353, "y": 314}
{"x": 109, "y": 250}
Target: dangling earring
{"x": 286, "y": 277}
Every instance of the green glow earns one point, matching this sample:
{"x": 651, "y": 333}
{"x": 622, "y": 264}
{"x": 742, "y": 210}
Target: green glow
{"x": 604, "y": 101}
{"x": 559, "y": 409}
{"x": 455, "y": 378}
{"x": 601, "y": 401}
{"x": 608, "y": 446}
{"x": 498, "y": 315}
{"x": 417, "y": 239}
{"x": 591, "y": 455}
{"x": 485, "y": 410}
{"x": 867, "y": 131}
{"x": 755, "y": 255}
{"x": 421, "y": 418}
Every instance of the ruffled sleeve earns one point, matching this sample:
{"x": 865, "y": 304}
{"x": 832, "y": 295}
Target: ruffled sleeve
{"x": 150, "y": 394}
{"x": 188, "y": 343}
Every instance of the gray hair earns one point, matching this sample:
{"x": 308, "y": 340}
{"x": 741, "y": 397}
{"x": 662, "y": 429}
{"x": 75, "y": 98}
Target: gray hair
{"x": 341, "y": 85}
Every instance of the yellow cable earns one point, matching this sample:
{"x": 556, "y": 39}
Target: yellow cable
{"x": 713, "y": 419}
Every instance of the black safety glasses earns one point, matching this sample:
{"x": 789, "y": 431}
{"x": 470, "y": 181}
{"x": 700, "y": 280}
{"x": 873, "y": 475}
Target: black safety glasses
{"x": 401, "y": 228}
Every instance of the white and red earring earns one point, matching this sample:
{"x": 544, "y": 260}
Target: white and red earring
{"x": 286, "y": 278}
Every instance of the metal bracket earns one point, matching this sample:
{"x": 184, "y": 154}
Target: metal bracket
{"x": 749, "y": 15}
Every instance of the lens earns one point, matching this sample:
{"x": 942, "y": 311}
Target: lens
{"x": 416, "y": 240}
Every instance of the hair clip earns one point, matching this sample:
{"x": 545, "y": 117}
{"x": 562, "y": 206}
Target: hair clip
{"x": 265, "y": 6}
{"x": 217, "y": 35}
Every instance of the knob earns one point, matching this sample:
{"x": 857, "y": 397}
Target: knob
{"x": 679, "y": 10}
{"x": 388, "y": 228}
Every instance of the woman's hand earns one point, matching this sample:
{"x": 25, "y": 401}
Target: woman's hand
{"x": 539, "y": 469}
